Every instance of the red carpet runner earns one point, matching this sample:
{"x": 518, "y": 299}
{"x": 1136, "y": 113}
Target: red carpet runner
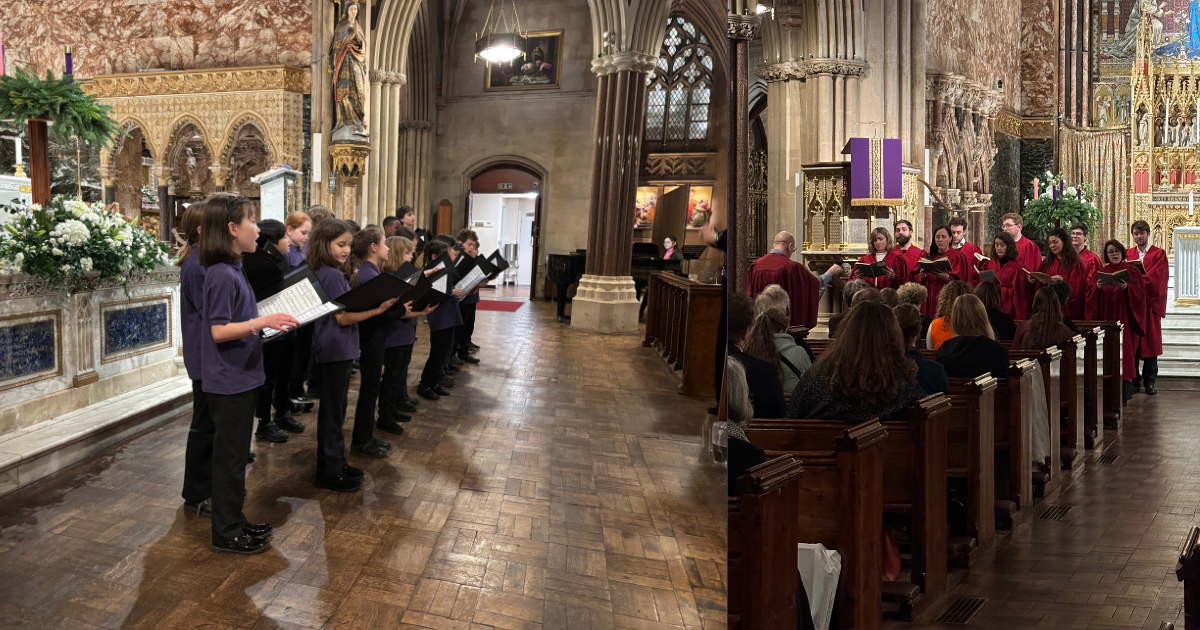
{"x": 499, "y": 305}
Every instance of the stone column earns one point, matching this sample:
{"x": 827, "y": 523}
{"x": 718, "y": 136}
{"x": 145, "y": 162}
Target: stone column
{"x": 742, "y": 29}
{"x": 219, "y": 174}
{"x": 378, "y": 139}
{"x": 162, "y": 174}
{"x": 108, "y": 174}
{"x": 388, "y": 205}
{"x": 606, "y": 301}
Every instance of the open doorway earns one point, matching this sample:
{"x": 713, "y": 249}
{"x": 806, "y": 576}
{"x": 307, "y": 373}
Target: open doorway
{"x": 504, "y": 209}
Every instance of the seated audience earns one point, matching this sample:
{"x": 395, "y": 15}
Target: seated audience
{"x": 931, "y": 375}
{"x": 915, "y": 293}
{"x": 774, "y": 297}
{"x": 940, "y": 329}
{"x": 973, "y": 350}
{"x": 766, "y": 391}
{"x": 742, "y": 454}
{"x": 769, "y": 341}
{"x": 1062, "y": 290}
{"x": 1045, "y": 326}
{"x": 1002, "y": 323}
{"x": 888, "y": 296}
{"x": 864, "y": 374}
{"x": 848, "y": 292}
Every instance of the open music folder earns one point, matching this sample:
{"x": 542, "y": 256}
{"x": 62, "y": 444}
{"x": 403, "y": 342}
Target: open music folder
{"x": 438, "y": 291}
{"x": 299, "y": 294}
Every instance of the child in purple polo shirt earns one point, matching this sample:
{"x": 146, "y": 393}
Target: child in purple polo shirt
{"x": 197, "y": 459}
{"x": 335, "y": 346}
{"x": 442, "y": 321}
{"x": 394, "y": 400}
{"x": 231, "y": 364}
{"x": 468, "y": 304}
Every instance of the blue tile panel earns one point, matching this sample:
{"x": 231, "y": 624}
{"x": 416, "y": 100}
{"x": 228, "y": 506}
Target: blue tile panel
{"x": 26, "y": 349}
{"x": 128, "y": 329}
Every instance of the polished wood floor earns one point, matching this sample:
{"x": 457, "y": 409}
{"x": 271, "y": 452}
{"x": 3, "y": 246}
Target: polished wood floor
{"x": 1109, "y": 563}
{"x": 562, "y": 485}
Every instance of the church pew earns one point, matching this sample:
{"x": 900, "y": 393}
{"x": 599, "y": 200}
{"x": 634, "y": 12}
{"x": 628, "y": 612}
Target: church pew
{"x": 763, "y": 532}
{"x": 681, "y": 317}
{"x": 1050, "y": 360}
{"x": 914, "y": 459}
{"x": 1110, "y": 347}
{"x": 1187, "y": 570}
{"x": 841, "y": 502}
{"x": 1073, "y": 396}
{"x": 1093, "y": 384}
{"x": 1013, "y": 415}
{"x": 970, "y": 437}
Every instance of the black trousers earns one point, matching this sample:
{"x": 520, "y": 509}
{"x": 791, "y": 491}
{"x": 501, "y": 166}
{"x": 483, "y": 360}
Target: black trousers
{"x": 197, "y": 459}
{"x": 233, "y": 416}
{"x": 331, "y": 444}
{"x": 302, "y": 354}
{"x": 394, "y": 387}
{"x": 440, "y": 344}
{"x": 1146, "y": 369}
{"x": 370, "y": 371}
{"x": 462, "y": 334}
{"x": 277, "y": 364}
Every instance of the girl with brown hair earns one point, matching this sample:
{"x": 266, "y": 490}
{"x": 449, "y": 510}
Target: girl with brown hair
{"x": 394, "y": 402}
{"x": 1045, "y": 327}
{"x": 768, "y": 340}
{"x": 941, "y": 328}
{"x": 973, "y": 349}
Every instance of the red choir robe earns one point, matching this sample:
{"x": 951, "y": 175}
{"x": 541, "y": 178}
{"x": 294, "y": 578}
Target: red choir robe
{"x": 803, "y": 288}
{"x": 1127, "y": 306}
{"x": 1076, "y": 277}
{"x": 895, "y": 261}
{"x": 1156, "y": 298}
{"x": 911, "y": 256}
{"x": 1014, "y": 296}
{"x": 969, "y": 250}
{"x": 1091, "y": 264}
{"x": 1029, "y": 255}
{"x": 958, "y": 271}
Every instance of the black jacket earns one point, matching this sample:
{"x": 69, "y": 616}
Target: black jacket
{"x": 968, "y": 357}
{"x": 931, "y": 375}
{"x": 766, "y": 390}
{"x": 1002, "y": 324}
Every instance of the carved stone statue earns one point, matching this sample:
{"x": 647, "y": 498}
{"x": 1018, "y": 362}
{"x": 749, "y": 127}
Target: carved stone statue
{"x": 1143, "y": 130}
{"x": 348, "y": 65}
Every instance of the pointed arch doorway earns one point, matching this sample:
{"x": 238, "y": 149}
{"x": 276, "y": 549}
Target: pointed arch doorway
{"x": 504, "y": 207}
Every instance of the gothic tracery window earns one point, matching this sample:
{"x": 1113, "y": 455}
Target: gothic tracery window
{"x": 678, "y": 103}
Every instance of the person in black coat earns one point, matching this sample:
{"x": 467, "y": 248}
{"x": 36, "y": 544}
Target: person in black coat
{"x": 1002, "y": 323}
{"x": 973, "y": 350}
{"x": 766, "y": 390}
{"x": 931, "y": 375}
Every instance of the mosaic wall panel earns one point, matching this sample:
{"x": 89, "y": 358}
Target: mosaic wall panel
{"x": 1038, "y": 46}
{"x": 135, "y": 327}
{"x": 30, "y": 348}
{"x": 980, "y": 40}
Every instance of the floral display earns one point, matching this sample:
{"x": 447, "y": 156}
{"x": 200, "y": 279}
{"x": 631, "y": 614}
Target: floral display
{"x": 70, "y": 244}
{"x": 1056, "y": 202}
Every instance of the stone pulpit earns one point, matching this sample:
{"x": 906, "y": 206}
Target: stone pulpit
{"x": 1186, "y": 245}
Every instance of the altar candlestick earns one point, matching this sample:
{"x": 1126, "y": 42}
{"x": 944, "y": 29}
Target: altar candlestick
{"x": 70, "y": 62}
{"x": 1035, "y": 188}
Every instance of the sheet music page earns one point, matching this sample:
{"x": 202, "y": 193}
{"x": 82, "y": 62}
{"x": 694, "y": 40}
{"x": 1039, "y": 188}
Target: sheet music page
{"x": 300, "y": 301}
{"x": 439, "y": 285}
{"x": 472, "y": 280}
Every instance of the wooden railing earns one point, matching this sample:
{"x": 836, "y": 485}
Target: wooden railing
{"x": 682, "y": 317}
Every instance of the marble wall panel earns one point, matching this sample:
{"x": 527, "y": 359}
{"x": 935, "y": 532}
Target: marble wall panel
{"x": 980, "y": 40}
{"x": 118, "y": 36}
{"x": 134, "y": 327}
{"x": 30, "y": 348}
{"x": 1038, "y": 44}
{"x": 1004, "y": 183}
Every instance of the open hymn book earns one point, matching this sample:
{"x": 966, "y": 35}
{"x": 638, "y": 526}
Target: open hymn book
{"x": 1112, "y": 279}
{"x": 303, "y": 298}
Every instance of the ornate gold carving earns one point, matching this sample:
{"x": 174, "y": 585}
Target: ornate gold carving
{"x": 349, "y": 160}
{"x": 286, "y": 78}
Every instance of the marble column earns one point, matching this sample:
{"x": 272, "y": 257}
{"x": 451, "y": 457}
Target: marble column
{"x": 162, "y": 174}
{"x": 606, "y": 301}
{"x": 219, "y": 174}
{"x": 378, "y": 140}
{"x": 108, "y": 174}
{"x": 742, "y": 29}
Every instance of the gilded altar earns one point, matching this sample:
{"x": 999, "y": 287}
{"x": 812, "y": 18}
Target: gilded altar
{"x": 834, "y": 229}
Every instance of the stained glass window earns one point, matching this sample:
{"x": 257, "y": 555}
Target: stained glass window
{"x": 677, "y": 107}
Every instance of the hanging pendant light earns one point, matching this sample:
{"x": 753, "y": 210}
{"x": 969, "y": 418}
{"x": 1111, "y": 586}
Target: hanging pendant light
{"x": 500, "y": 46}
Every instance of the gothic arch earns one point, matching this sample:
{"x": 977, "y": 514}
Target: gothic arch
{"x": 234, "y": 131}
{"x": 179, "y": 124}
{"x": 129, "y": 123}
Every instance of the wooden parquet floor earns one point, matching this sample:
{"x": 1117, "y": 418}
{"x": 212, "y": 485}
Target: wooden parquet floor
{"x": 562, "y": 485}
{"x": 1109, "y": 563}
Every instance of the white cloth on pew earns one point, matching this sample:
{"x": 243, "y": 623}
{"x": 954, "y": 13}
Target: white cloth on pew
{"x": 1040, "y": 420}
{"x": 819, "y": 569}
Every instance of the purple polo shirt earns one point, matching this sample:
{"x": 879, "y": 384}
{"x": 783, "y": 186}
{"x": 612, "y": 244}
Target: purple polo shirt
{"x": 446, "y": 315}
{"x": 235, "y": 366}
{"x": 294, "y": 256}
{"x": 333, "y": 342}
{"x": 403, "y": 332}
{"x": 366, "y": 273}
{"x": 191, "y": 311}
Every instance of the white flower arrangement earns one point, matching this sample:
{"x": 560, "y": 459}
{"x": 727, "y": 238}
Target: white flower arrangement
{"x": 69, "y": 239}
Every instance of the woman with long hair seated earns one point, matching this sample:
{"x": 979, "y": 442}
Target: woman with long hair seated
{"x": 1002, "y": 323}
{"x": 936, "y": 282}
{"x": 1063, "y": 263}
{"x": 973, "y": 350}
{"x": 1125, "y": 302}
{"x": 1045, "y": 327}
{"x": 1014, "y": 290}
{"x": 864, "y": 373}
{"x": 941, "y": 328}
{"x": 768, "y": 340}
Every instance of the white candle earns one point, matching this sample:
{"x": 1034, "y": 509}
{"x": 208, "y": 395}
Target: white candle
{"x": 927, "y": 176}
{"x": 316, "y": 157}
{"x": 1191, "y": 202}
{"x": 17, "y": 141}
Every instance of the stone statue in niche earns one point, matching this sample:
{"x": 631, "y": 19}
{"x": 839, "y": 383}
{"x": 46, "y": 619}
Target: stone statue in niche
{"x": 348, "y": 65}
{"x": 191, "y": 164}
{"x": 1143, "y": 129}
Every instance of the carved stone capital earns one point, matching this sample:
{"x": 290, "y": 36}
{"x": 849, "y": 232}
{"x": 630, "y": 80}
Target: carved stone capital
{"x": 162, "y": 174}
{"x": 837, "y": 67}
{"x": 418, "y": 125}
{"x": 622, "y": 61}
{"x": 743, "y": 26}
{"x": 786, "y": 71}
{"x": 219, "y": 174}
{"x": 957, "y": 91}
{"x": 388, "y": 77}
{"x": 109, "y": 175}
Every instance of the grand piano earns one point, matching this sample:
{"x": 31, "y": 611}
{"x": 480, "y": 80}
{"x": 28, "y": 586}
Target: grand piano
{"x": 565, "y": 270}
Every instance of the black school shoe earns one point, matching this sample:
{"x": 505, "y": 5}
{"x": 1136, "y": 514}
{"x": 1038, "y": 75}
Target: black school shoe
{"x": 288, "y": 423}
{"x": 262, "y": 530}
{"x": 409, "y": 405}
{"x": 301, "y": 404}
{"x": 468, "y": 358}
{"x": 451, "y": 369}
{"x": 1151, "y": 390}
{"x": 350, "y": 472}
{"x": 251, "y": 457}
{"x": 245, "y": 545}
{"x": 426, "y": 391}
{"x": 337, "y": 484}
{"x": 445, "y": 382}
{"x": 388, "y": 425}
{"x": 269, "y": 432}
{"x": 202, "y": 509}
{"x": 456, "y": 362}
{"x": 370, "y": 449}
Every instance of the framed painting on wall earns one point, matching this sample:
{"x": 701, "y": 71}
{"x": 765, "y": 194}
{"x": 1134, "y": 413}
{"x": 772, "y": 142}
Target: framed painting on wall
{"x": 699, "y": 205}
{"x": 647, "y": 200}
{"x": 539, "y": 69}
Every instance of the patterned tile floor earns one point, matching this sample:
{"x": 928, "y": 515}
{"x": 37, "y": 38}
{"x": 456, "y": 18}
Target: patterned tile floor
{"x": 562, "y": 485}
{"x": 1109, "y": 563}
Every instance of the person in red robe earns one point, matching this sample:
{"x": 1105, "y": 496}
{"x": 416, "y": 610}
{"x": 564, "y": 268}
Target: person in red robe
{"x": 1154, "y": 259}
{"x": 1063, "y": 264}
{"x": 1126, "y": 303}
{"x": 1014, "y": 290}
{"x": 881, "y": 250}
{"x": 1028, "y": 253}
{"x": 1091, "y": 261}
{"x": 777, "y": 267}
{"x": 911, "y": 252}
{"x": 935, "y": 281}
{"x": 958, "y": 240}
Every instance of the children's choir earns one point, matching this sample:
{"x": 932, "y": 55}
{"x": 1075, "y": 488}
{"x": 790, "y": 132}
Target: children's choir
{"x": 236, "y": 377}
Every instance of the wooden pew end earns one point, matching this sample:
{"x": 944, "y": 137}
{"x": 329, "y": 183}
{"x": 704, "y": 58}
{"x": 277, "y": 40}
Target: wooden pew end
{"x": 1112, "y": 421}
{"x": 1006, "y": 514}
{"x": 903, "y": 596}
{"x": 959, "y": 550}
